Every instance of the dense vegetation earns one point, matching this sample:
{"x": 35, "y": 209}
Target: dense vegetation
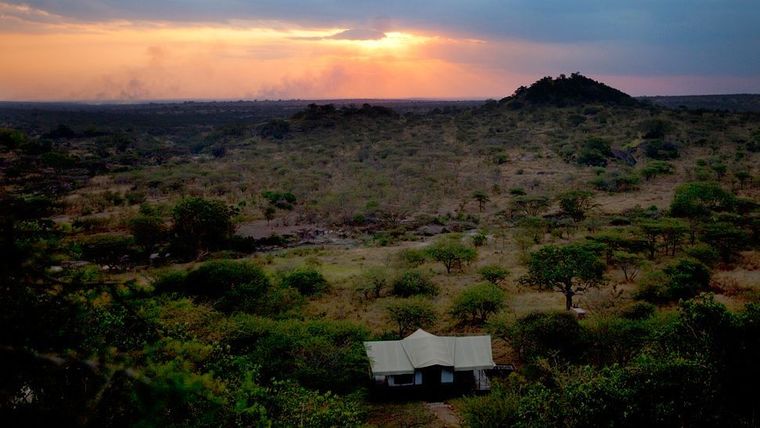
{"x": 222, "y": 268}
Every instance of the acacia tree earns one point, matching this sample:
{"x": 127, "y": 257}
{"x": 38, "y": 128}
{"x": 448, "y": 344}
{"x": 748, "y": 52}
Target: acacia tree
{"x": 410, "y": 314}
{"x": 569, "y": 269}
{"x": 494, "y": 274}
{"x": 200, "y": 224}
{"x": 576, "y": 203}
{"x": 697, "y": 201}
{"x": 529, "y": 205}
{"x": 477, "y": 303}
{"x": 482, "y": 199}
{"x": 452, "y": 253}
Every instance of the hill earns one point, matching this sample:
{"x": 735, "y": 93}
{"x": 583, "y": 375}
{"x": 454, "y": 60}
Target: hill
{"x": 565, "y": 91}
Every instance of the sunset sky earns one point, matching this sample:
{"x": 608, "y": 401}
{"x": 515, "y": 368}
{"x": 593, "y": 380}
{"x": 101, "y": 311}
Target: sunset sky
{"x": 88, "y": 50}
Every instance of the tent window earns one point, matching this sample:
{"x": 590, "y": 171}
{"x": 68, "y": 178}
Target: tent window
{"x": 402, "y": 379}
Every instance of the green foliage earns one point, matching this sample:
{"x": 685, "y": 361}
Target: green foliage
{"x": 296, "y": 406}
{"x": 324, "y": 355}
{"x": 656, "y": 167}
{"x": 373, "y": 282}
{"x": 594, "y": 152}
{"x": 629, "y": 263}
{"x": 700, "y": 199}
{"x": 308, "y": 281}
{"x": 412, "y": 283}
{"x": 147, "y": 230}
{"x": 451, "y": 253}
{"x": 524, "y": 205}
{"x": 725, "y": 238}
{"x": 570, "y": 269}
{"x": 12, "y": 138}
{"x": 494, "y": 274}
{"x": 411, "y": 314}
{"x": 616, "y": 181}
{"x": 282, "y": 200}
{"x": 477, "y": 302}
{"x": 638, "y": 311}
{"x": 542, "y": 335}
{"x": 704, "y": 253}
{"x": 200, "y": 224}
{"x": 109, "y": 249}
{"x": 661, "y": 150}
{"x": 575, "y": 203}
{"x": 411, "y": 257}
{"x": 687, "y": 278}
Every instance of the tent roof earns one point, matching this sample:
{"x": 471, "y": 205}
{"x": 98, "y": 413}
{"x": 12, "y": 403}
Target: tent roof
{"x": 422, "y": 349}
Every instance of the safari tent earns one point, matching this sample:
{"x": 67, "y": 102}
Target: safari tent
{"x": 425, "y": 360}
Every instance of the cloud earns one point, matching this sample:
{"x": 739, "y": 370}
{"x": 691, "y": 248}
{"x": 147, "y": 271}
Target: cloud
{"x": 358, "y": 34}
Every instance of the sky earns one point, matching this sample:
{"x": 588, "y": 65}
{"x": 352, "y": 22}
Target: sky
{"x": 116, "y": 50}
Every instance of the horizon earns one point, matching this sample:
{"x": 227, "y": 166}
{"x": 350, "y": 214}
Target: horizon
{"x": 116, "y": 52}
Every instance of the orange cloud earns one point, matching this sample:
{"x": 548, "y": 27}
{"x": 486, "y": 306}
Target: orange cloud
{"x": 56, "y": 60}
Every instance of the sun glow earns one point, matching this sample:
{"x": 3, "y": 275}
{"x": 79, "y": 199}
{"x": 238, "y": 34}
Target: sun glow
{"x": 392, "y": 42}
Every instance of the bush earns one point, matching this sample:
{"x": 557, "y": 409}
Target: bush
{"x": 373, "y": 283}
{"x": 147, "y": 231}
{"x": 656, "y": 167}
{"x": 306, "y": 280}
{"x": 476, "y": 303}
{"x": 201, "y": 224}
{"x": 412, "y": 283}
{"x": 452, "y": 253}
{"x": 546, "y": 335}
{"x": 594, "y": 152}
{"x": 660, "y": 150}
{"x": 112, "y": 250}
{"x": 494, "y": 274}
{"x": 704, "y": 253}
{"x": 410, "y": 257}
{"x": 638, "y": 311}
{"x": 411, "y": 314}
{"x": 616, "y": 181}
{"x": 687, "y": 278}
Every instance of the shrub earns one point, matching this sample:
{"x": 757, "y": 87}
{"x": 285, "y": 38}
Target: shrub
{"x": 476, "y": 303}
{"x": 616, "y": 181}
{"x": 373, "y": 283}
{"x": 638, "y": 311}
{"x": 686, "y": 278}
{"x": 412, "y": 282}
{"x": 306, "y": 280}
{"x": 217, "y": 277}
{"x": 494, "y": 274}
{"x": 451, "y": 253}
{"x": 201, "y": 224}
{"x": 147, "y": 231}
{"x": 112, "y": 250}
{"x": 704, "y": 253}
{"x": 656, "y": 167}
{"x": 411, "y": 257}
{"x": 545, "y": 335}
{"x": 660, "y": 150}
{"x": 594, "y": 152}
{"x": 411, "y": 314}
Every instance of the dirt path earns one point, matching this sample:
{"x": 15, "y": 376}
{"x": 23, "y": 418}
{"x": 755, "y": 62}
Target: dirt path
{"x": 445, "y": 413}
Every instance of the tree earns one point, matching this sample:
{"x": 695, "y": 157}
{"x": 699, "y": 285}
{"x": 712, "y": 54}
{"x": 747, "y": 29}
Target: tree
{"x": 494, "y": 274}
{"x": 411, "y": 314}
{"x": 306, "y": 280}
{"x": 727, "y": 239}
{"x": 570, "y": 269}
{"x": 147, "y": 230}
{"x": 576, "y": 203}
{"x": 667, "y": 230}
{"x": 594, "y": 152}
{"x": 529, "y": 205}
{"x": 412, "y": 283}
{"x": 482, "y": 199}
{"x": 697, "y": 201}
{"x": 686, "y": 278}
{"x": 201, "y": 224}
{"x": 629, "y": 263}
{"x": 452, "y": 253}
{"x": 373, "y": 282}
{"x": 477, "y": 302}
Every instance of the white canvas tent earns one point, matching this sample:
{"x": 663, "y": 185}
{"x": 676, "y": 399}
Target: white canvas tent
{"x": 422, "y": 349}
